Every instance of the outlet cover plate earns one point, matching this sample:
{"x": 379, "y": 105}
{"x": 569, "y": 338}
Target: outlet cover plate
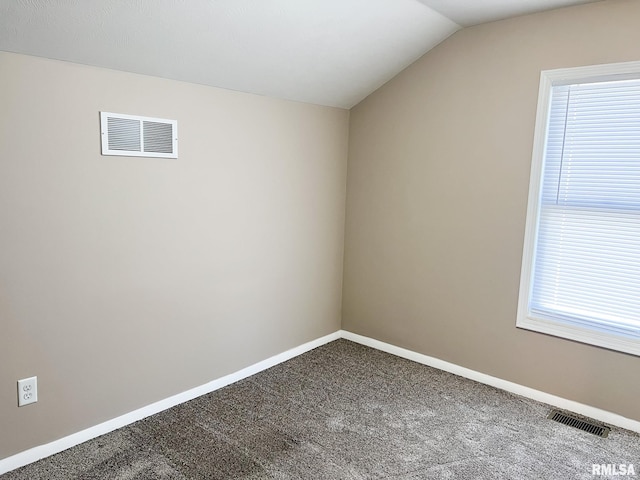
{"x": 27, "y": 391}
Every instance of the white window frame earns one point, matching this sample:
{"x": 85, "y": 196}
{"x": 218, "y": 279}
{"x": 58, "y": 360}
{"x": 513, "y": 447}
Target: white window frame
{"x": 525, "y": 320}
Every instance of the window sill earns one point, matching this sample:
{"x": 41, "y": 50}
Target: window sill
{"x": 620, "y": 343}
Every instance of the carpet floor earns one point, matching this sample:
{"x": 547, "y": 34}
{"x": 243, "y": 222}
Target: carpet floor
{"x": 345, "y": 411}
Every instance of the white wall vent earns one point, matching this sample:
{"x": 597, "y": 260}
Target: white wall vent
{"x": 135, "y": 136}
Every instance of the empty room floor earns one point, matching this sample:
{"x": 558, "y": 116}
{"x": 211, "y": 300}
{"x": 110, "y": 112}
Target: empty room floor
{"x": 345, "y": 411}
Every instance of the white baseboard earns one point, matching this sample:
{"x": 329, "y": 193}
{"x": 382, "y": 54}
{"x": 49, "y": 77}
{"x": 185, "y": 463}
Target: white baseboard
{"x": 33, "y": 454}
{"x": 36, "y": 453}
{"x": 559, "y": 402}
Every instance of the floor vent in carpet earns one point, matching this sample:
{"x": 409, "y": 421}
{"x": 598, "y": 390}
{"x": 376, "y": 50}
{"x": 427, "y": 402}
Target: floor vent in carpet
{"x": 575, "y": 422}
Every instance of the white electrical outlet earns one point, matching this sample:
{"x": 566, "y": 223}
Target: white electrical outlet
{"x": 27, "y": 391}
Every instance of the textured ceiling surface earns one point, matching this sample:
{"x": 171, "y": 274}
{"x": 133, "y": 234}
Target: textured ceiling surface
{"x": 327, "y": 52}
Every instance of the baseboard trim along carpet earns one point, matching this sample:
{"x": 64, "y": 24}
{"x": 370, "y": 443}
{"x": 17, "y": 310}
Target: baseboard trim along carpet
{"x": 34, "y": 454}
{"x": 29, "y": 456}
{"x": 559, "y": 402}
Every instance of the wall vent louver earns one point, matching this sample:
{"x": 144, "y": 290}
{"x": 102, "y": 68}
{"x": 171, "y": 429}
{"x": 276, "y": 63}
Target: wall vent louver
{"x": 136, "y": 136}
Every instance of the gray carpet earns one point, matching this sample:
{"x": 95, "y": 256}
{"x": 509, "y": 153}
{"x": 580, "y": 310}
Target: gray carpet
{"x": 344, "y": 411}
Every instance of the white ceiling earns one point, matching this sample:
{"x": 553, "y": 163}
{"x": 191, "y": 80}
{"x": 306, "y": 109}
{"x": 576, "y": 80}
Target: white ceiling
{"x": 327, "y": 52}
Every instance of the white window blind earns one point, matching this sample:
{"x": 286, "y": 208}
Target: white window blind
{"x": 584, "y": 271}
{"x": 587, "y": 267}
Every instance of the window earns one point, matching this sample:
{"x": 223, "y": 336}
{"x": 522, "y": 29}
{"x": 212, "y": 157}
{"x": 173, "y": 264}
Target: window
{"x": 581, "y": 262}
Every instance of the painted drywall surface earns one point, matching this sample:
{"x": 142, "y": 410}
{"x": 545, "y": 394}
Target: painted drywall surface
{"x": 438, "y": 178}
{"x": 126, "y": 280}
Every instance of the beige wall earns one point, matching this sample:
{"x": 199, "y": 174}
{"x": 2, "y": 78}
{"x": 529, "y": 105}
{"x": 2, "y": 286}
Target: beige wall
{"x": 437, "y": 189}
{"x": 126, "y": 280}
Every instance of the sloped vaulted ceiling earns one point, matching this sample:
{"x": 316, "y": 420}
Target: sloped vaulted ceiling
{"x": 327, "y": 52}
